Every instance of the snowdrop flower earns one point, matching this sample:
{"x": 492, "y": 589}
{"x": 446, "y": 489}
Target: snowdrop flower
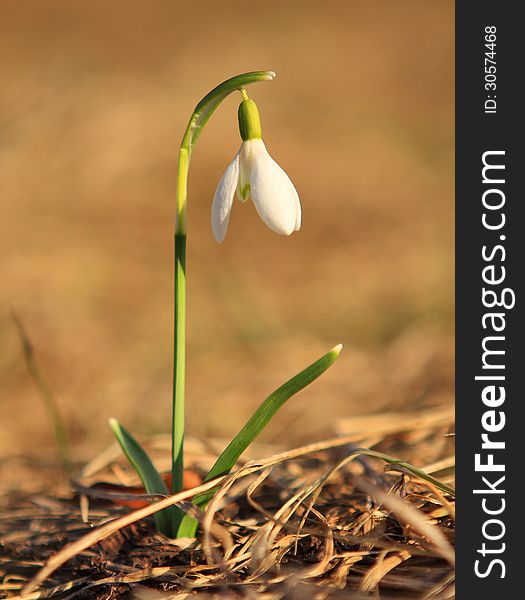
{"x": 253, "y": 173}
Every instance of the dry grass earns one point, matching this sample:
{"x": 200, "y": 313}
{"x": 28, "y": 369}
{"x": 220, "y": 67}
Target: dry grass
{"x": 317, "y": 521}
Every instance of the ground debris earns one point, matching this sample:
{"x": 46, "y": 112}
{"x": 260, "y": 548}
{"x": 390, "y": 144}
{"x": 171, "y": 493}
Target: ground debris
{"x": 321, "y": 524}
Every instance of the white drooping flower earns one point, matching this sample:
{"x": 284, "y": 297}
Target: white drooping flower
{"x": 254, "y": 174}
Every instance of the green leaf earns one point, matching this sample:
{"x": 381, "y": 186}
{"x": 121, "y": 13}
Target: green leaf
{"x": 255, "y": 425}
{"x": 166, "y": 520}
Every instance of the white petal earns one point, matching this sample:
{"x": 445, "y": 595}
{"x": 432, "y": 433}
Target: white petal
{"x": 298, "y": 212}
{"x": 223, "y": 200}
{"x": 273, "y": 194}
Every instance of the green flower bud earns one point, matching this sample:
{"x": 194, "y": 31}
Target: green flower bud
{"x": 249, "y": 120}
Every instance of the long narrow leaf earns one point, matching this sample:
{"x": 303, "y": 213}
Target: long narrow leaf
{"x": 150, "y": 477}
{"x": 262, "y": 416}
{"x": 255, "y": 425}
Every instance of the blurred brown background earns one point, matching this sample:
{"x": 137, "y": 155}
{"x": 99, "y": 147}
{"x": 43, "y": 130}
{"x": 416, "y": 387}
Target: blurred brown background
{"x": 94, "y": 99}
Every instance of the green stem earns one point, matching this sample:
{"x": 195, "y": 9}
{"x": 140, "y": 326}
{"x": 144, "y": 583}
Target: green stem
{"x": 203, "y": 111}
{"x": 179, "y": 364}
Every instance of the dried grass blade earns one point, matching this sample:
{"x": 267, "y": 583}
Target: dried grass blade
{"x": 410, "y": 515}
{"x": 382, "y": 566}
